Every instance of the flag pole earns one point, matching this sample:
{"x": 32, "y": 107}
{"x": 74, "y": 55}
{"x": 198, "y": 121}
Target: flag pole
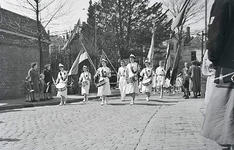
{"x": 109, "y": 61}
{"x": 89, "y": 57}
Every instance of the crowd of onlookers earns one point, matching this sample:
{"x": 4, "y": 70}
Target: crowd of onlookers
{"x": 38, "y": 87}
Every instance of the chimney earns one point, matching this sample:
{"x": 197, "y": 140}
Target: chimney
{"x": 188, "y": 33}
{"x": 48, "y": 32}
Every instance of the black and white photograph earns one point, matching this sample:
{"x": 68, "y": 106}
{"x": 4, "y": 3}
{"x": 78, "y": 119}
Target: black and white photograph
{"x": 117, "y": 75}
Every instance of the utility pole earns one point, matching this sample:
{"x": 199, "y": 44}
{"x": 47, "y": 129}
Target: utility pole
{"x": 205, "y": 26}
{"x": 202, "y": 46}
{"x": 95, "y": 36}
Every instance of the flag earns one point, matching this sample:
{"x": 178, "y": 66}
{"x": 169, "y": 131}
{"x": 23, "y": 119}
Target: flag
{"x": 175, "y": 67}
{"x": 81, "y": 59}
{"x": 151, "y": 50}
{"x": 179, "y": 18}
{"x": 75, "y": 31}
{"x": 167, "y": 65}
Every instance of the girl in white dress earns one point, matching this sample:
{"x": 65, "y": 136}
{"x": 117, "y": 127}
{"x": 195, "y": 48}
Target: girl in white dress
{"x": 84, "y": 79}
{"x": 132, "y": 71}
{"x": 147, "y": 74}
{"x": 160, "y": 76}
{"x": 122, "y": 74}
{"x": 105, "y": 73}
{"x": 62, "y": 80}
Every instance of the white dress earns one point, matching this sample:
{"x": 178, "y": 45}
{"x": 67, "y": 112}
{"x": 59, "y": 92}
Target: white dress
{"x": 122, "y": 74}
{"x": 147, "y": 73}
{"x": 105, "y": 89}
{"x": 62, "y": 78}
{"x": 132, "y": 87}
{"x": 160, "y": 76}
{"x": 210, "y": 73}
{"x": 85, "y": 76}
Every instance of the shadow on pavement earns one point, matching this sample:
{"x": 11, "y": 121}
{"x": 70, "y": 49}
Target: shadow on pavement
{"x": 161, "y": 101}
{"x": 137, "y": 103}
{"x": 9, "y": 140}
{"x": 13, "y": 110}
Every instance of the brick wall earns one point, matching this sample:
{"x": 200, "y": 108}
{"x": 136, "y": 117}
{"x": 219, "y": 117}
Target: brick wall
{"x": 16, "y": 55}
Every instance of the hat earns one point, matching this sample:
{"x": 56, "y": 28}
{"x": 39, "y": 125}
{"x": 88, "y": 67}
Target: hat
{"x": 147, "y": 61}
{"x": 132, "y": 56}
{"x": 61, "y": 65}
{"x": 104, "y": 60}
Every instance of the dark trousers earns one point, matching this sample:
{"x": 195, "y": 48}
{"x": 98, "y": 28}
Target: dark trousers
{"x": 186, "y": 88}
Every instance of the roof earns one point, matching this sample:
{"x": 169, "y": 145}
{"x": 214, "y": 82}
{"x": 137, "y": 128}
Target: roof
{"x": 196, "y": 42}
{"x": 22, "y": 25}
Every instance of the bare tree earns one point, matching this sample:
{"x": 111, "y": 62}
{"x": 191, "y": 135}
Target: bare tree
{"x": 44, "y": 12}
{"x": 192, "y": 15}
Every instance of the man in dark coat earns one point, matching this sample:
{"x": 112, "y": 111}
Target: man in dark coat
{"x": 219, "y": 120}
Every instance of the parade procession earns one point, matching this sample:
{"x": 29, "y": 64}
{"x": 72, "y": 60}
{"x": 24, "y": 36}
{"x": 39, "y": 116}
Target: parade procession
{"x": 117, "y": 75}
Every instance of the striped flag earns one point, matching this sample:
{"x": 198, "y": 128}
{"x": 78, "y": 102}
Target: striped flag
{"x": 180, "y": 17}
{"x": 175, "y": 66}
{"x": 150, "y": 55}
{"x": 82, "y": 58}
{"x": 167, "y": 65}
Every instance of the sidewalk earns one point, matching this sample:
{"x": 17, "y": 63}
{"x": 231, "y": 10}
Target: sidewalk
{"x": 21, "y": 102}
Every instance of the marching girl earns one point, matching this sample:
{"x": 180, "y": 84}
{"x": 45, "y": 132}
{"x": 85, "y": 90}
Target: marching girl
{"x": 122, "y": 79}
{"x": 84, "y": 79}
{"x": 132, "y": 70}
{"x": 104, "y": 73}
{"x": 61, "y": 83}
{"x": 160, "y": 76}
{"x": 147, "y": 74}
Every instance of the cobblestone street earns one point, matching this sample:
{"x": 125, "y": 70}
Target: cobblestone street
{"x": 171, "y": 123}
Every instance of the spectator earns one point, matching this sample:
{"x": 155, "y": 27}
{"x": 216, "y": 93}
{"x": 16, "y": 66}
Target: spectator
{"x": 219, "y": 120}
{"x": 49, "y": 80}
{"x": 34, "y": 75}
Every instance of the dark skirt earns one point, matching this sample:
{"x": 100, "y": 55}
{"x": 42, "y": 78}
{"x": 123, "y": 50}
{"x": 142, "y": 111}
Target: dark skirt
{"x": 219, "y": 119}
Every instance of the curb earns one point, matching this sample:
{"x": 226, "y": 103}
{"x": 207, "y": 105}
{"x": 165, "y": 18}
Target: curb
{"x": 46, "y": 103}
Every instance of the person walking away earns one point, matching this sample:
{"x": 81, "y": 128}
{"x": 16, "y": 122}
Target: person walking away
{"x": 147, "y": 74}
{"x": 104, "y": 74}
{"x": 34, "y": 75}
{"x": 122, "y": 79}
{"x": 42, "y": 86}
{"x": 84, "y": 80}
{"x": 185, "y": 80}
{"x": 132, "y": 78}
{"x": 219, "y": 118}
{"x": 160, "y": 75}
{"x": 61, "y": 84}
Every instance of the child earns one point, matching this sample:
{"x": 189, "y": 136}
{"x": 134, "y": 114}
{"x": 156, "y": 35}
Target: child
{"x": 122, "y": 79}
{"x": 84, "y": 79}
{"x": 147, "y": 74}
{"x": 28, "y": 89}
{"x": 42, "y": 86}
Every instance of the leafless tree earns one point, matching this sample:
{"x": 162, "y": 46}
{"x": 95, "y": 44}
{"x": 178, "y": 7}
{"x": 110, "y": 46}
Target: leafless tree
{"x": 45, "y": 11}
{"x": 192, "y": 15}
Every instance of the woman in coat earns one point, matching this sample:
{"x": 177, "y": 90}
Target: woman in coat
{"x": 34, "y": 75}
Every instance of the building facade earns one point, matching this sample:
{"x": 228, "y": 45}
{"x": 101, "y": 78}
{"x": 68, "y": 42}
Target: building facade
{"x": 18, "y": 49}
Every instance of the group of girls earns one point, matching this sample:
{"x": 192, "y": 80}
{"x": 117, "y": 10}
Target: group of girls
{"x": 127, "y": 79}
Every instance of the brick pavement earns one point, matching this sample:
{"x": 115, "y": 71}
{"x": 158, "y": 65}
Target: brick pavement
{"x": 159, "y": 124}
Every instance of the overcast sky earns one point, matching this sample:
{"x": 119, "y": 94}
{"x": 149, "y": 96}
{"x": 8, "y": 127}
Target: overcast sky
{"x": 75, "y": 9}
